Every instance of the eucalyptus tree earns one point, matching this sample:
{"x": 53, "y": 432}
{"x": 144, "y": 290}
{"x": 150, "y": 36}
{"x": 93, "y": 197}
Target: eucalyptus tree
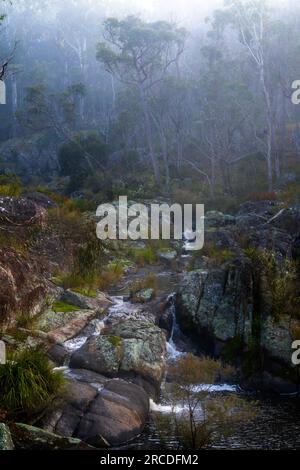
{"x": 251, "y": 19}
{"x": 140, "y": 54}
{"x": 222, "y": 129}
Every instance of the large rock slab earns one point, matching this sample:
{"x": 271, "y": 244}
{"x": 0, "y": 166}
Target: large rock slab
{"x": 23, "y": 287}
{"x": 217, "y": 303}
{"x": 100, "y": 411}
{"x": 118, "y": 414}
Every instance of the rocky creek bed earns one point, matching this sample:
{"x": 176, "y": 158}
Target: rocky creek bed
{"x": 115, "y": 353}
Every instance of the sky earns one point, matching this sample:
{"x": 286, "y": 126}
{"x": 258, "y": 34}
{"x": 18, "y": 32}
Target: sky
{"x": 186, "y": 11}
{"x": 183, "y": 9}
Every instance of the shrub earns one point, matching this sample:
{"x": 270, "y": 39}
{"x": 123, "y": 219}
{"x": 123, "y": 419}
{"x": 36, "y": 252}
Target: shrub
{"x": 86, "y": 291}
{"x": 281, "y": 276}
{"x": 79, "y": 236}
{"x": 14, "y": 241}
{"x": 117, "y": 268}
{"x": 25, "y": 320}
{"x": 261, "y": 196}
{"x": 201, "y": 418}
{"x": 142, "y": 256}
{"x": 10, "y": 185}
{"x": 217, "y": 256}
{"x": 27, "y": 383}
{"x": 76, "y": 156}
{"x": 291, "y": 194}
{"x": 149, "y": 282}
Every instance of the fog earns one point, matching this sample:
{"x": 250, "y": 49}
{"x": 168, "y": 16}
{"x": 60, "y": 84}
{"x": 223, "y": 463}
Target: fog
{"x": 197, "y": 92}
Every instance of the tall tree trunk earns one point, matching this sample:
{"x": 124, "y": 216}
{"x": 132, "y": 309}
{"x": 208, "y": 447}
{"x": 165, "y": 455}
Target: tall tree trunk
{"x": 165, "y": 157}
{"x": 14, "y": 91}
{"x": 149, "y": 136}
{"x": 269, "y": 127}
{"x": 213, "y": 174}
{"x": 179, "y": 150}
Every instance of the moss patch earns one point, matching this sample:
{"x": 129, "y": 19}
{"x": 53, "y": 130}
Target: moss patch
{"x": 62, "y": 307}
{"x": 116, "y": 341}
{"x": 86, "y": 292}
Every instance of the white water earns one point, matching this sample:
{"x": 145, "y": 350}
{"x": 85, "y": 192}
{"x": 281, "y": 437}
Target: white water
{"x": 208, "y": 388}
{"x": 167, "y": 409}
{"x": 172, "y": 351}
{"x": 75, "y": 343}
{"x": 172, "y": 355}
{"x": 94, "y": 328}
{"x": 212, "y": 388}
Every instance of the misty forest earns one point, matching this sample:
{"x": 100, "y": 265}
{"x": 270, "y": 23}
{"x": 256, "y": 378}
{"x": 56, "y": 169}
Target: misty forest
{"x": 146, "y": 344}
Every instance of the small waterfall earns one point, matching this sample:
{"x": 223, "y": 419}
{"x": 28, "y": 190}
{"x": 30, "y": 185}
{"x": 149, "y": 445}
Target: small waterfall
{"x": 172, "y": 350}
{"x": 94, "y": 328}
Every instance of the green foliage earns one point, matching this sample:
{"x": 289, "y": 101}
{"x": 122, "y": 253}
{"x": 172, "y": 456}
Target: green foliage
{"x": 217, "y": 256}
{"x": 68, "y": 99}
{"x": 25, "y": 320}
{"x": 130, "y": 38}
{"x": 142, "y": 256}
{"x": 14, "y": 242}
{"x": 281, "y": 277}
{"x": 58, "y": 198}
{"x": 27, "y": 383}
{"x": 148, "y": 282}
{"x": 62, "y": 307}
{"x": 10, "y": 185}
{"x": 83, "y": 205}
{"x": 115, "y": 341}
{"x": 291, "y": 194}
{"x": 79, "y": 234}
{"x": 84, "y": 152}
{"x": 87, "y": 292}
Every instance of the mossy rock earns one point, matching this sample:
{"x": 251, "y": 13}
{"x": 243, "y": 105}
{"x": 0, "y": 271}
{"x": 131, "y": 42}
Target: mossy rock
{"x": 33, "y": 438}
{"x": 6, "y": 442}
{"x": 101, "y": 354}
{"x": 143, "y": 296}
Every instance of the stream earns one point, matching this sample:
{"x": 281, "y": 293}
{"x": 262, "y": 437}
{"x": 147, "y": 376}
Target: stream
{"x": 277, "y": 425}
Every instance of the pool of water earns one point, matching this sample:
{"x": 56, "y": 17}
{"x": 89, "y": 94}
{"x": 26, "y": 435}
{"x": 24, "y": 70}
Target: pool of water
{"x": 276, "y": 426}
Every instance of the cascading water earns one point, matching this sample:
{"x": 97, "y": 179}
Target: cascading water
{"x": 172, "y": 350}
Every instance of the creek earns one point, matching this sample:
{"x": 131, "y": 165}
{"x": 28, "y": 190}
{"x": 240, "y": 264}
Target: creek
{"x": 277, "y": 423}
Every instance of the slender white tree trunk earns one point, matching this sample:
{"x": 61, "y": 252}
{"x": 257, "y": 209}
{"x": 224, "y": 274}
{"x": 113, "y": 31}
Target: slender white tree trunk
{"x": 149, "y": 136}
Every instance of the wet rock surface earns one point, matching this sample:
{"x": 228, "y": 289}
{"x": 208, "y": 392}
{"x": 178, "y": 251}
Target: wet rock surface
{"x": 6, "y": 442}
{"x": 226, "y": 305}
{"x": 100, "y": 411}
{"x": 117, "y": 414}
